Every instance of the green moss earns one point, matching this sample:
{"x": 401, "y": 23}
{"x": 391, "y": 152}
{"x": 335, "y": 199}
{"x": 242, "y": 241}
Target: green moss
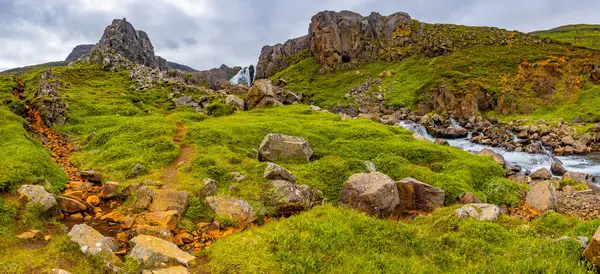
{"x": 335, "y": 240}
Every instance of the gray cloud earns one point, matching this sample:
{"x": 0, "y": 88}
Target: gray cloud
{"x": 206, "y": 33}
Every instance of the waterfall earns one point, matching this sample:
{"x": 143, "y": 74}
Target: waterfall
{"x": 242, "y": 77}
{"x": 515, "y": 138}
{"x": 455, "y": 124}
{"x": 416, "y": 128}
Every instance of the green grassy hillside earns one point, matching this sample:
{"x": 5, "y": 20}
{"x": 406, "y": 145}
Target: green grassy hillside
{"x": 581, "y": 35}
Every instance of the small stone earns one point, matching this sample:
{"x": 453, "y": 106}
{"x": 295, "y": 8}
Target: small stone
{"x": 168, "y": 218}
{"x": 71, "y": 204}
{"x": 369, "y": 166}
{"x": 127, "y": 222}
{"x": 276, "y": 172}
{"x": 93, "y": 200}
{"x": 541, "y": 174}
{"x": 441, "y": 142}
{"x": 497, "y": 157}
{"x": 109, "y": 190}
{"x": 238, "y": 177}
{"x": 558, "y": 169}
{"x": 31, "y": 234}
{"x": 280, "y": 147}
{"x": 373, "y": 193}
{"x": 115, "y": 216}
{"x": 469, "y": 198}
{"x": 481, "y": 212}
{"x": 47, "y": 238}
{"x": 210, "y": 187}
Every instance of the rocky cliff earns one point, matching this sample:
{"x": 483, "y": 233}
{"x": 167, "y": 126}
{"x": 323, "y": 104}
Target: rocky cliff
{"x": 78, "y": 51}
{"x": 278, "y": 57}
{"x": 214, "y": 77}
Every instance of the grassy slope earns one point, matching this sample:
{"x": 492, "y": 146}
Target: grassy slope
{"x": 581, "y": 35}
{"x": 336, "y": 240}
{"x": 518, "y": 72}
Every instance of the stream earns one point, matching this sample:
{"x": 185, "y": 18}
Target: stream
{"x": 588, "y": 163}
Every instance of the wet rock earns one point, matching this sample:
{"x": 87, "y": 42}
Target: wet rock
{"x": 592, "y": 251}
{"x": 127, "y": 222}
{"x": 541, "y": 197}
{"x": 168, "y": 199}
{"x": 109, "y": 190}
{"x": 71, "y": 204}
{"x": 162, "y": 232}
{"x": 238, "y": 210}
{"x": 276, "y": 172}
{"x": 449, "y": 133}
{"x": 469, "y": 198}
{"x": 235, "y": 102}
{"x": 280, "y": 147}
{"x": 290, "y": 198}
{"x": 497, "y": 157}
{"x": 169, "y": 270}
{"x": 210, "y": 187}
{"x": 114, "y": 217}
{"x": 153, "y": 251}
{"x": 37, "y": 194}
{"x": 167, "y": 219}
{"x": 416, "y": 195}
{"x": 369, "y": 166}
{"x": 481, "y": 212}
{"x": 541, "y": 174}
{"x": 558, "y": 169}
{"x": 579, "y": 148}
{"x": 441, "y": 142}
{"x": 373, "y": 193}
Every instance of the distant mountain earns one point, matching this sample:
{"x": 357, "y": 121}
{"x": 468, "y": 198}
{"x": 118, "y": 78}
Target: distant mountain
{"x": 580, "y": 35}
{"x": 44, "y": 65}
{"x": 173, "y": 65}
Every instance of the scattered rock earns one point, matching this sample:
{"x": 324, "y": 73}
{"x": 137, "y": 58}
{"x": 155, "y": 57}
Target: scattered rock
{"x": 541, "y": 197}
{"x": 290, "y": 198}
{"x": 91, "y": 176}
{"x": 71, "y": 204}
{"x": 583, "y": 241}
{"x": 91, "y": 241}
{"x": 167, "y": 219}
{"x": 210, "y": 187}
{"x": 28, "y": 235}
{"x": 235, "y": 102}
{"x": 168, "y": 199}
{"x": 238, "y": 210}
{"x": 145, "y": 195}
{"x": 558, "y": 169}
{"x": 373, "y": 193}
{"x": 37, "y": 194}
{"x": 162, "y": 232}
{"x": 92, "y": 200}
{"x": 469, "y": 198}
{"x": 481, "y": 212}
{"x": 416, "y": 195}
{"x": 115, "y": 217}
{"x": 441, "y": 142}
{"x": 276, "y": 172}
{"x": 170, "y": 270}
{"x": 592, "y": 251}
{"x": 127, "y": 222}
{"x": 153, "y": 251}
{"x": 237, "y": 176}
{"x": 541, "y": 174}
{"x": 280, "y": 147}
{"x": 567, "y": 140}
{"x": 369, "y": 166}
{"x": 497, "y": 157}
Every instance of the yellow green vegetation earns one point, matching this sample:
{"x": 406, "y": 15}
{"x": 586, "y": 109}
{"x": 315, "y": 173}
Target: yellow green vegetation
{"x": 581, "y": 35}
{"x": 336, "y": 240}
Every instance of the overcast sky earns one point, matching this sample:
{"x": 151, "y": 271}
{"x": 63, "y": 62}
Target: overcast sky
{"x": 206, "y": 33}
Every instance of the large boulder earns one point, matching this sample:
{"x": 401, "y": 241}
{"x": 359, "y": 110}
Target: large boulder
{"x": 238, "y": 210}
{"x": 153, "y": 251}
{"x": 281, "y": 147}
{"x": 373, "y": 193}
{"x": 276, "y": 172}
{"x": 91, "y": 242}
{"x": 558, "y": 169}
{"x": 263, "y": 94}
{"x": 541, "y": 174}
{"x": 71, "y": 204}
{"x": 235, "y": 102}
{"x": 541, "y": 197}
{"x": 497, "y": 157}
{"x": 290, "y": 198}
{"x": 449, "y": 133}
{"x": 415, "y": 195}
{"x": 592, "y": 251}
{"x": 481, "y": 212}
{"x": 37, "y": 194}
{"x": 168, "y": 199}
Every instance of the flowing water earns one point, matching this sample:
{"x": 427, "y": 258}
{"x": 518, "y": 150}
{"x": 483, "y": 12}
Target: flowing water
{"x": 242, "y": 77}
{"x": 589, "y": 163}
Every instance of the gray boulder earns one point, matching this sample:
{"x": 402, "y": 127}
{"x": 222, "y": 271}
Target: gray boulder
{"x": 541, "y": 197}
{"x": 153, "y": 251}
{"x": 373, "y": 193}
{"x": 281, "y": 147}
{"x": 37, "y": 194}
{"x": 238, "y": 210}
{"x": 541, "y": 174}
{"x": 235, "y": 102}
{"x": 558, "y": 169}
{"x": 290, "y": 198}
{"x": 276, "y": 172}
{"x": 481, "y": 212}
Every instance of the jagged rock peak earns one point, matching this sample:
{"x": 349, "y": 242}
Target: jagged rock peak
{"x": 77, "y": 52}
{"x": 123, "y": 39}
{"x": 273, "y": 58}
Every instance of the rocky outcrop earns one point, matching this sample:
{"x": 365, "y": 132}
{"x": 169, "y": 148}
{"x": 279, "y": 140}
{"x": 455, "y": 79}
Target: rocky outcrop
{"x": 373, "y": 193}
{"x": 77, "y": 52}
{"x": 281, "y": 147}
{"x": 48, "y": 101}
{"x": 37, "y": 194}
{"x": 214, "y": 77}
{"x": 276, "y": 58}
{"x": 121, "y": 39}
{"x": 347, "y": 37}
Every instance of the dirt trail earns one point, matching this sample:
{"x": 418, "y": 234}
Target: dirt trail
{"x": 169, "y": 178}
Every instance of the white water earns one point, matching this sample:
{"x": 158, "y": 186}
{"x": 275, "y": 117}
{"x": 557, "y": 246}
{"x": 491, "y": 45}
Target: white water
{"x": 527, "y": 161}
{"x": 242, "y": 77}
